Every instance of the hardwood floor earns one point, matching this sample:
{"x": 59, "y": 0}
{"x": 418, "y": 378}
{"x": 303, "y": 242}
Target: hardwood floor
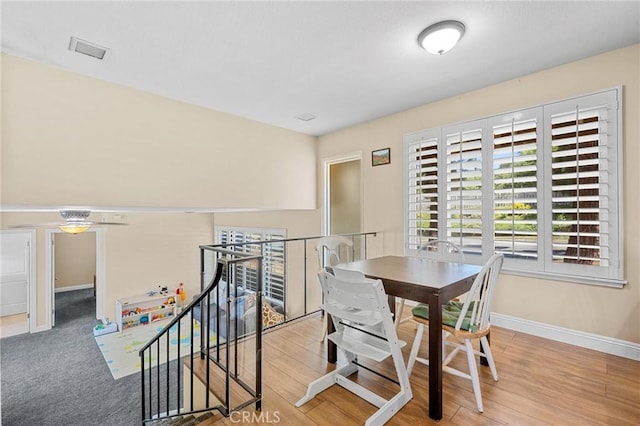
{"x": 541, "y": 382}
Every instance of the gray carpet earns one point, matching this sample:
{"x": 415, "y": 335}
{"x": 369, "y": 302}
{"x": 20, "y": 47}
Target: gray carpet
{"x": 59, "y": 377}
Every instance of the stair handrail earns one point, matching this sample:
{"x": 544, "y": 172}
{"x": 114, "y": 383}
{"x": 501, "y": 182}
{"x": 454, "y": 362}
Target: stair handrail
{"x": 185, "y": 311}
{"x": 203, "y": 298}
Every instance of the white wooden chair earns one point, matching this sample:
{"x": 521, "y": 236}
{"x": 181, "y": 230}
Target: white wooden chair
{"x": 465, "y": 322}
{"x": 330, "y": 249}
{"x": 360, "y": 312}
{"x": 440, "y": 250}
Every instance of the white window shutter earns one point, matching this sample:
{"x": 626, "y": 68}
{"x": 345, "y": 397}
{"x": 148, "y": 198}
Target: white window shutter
{"x": 421, "y": 188}
{"x": 516, "y": 186}
{"x": 583, "y": 175}
{"x": 464, "y": 185}
{"x": 274, "y": 268}
{"x": 541, "y": 185}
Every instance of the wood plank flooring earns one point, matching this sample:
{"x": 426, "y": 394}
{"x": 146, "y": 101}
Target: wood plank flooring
{"x": 541, "y": 382}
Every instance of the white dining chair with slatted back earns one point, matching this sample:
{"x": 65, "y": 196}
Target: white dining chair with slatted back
{"x": 465, "y": 321}
{"x": 364, "y": 327}
{"x": 332, "y": 250}
{"x": 441, "y": 250}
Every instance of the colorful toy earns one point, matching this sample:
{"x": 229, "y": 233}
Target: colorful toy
{"x": 182, "y": 293}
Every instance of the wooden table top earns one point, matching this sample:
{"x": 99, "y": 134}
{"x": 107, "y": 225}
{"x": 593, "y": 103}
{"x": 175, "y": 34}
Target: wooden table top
{"x": 414, "y": 278}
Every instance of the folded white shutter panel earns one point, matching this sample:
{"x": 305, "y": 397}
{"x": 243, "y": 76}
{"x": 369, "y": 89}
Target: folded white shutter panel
{"x": 464, "y": 188}
{"x": 422, "y": 189}
{"x": 580, "y": 186}
{"x": 515, "y": 188}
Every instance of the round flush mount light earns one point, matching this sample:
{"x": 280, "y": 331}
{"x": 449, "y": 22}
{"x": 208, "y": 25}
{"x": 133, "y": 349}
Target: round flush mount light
{"x": 441, "y": 37}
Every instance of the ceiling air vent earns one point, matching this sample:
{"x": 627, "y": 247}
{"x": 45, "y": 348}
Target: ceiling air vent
{"x": 306, "y": 117}
{"x": 88, "y": 48}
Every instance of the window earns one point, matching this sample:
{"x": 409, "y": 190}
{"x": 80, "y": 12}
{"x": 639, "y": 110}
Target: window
{"x": 273, "y": 262}
{"x": 540, "y": 185}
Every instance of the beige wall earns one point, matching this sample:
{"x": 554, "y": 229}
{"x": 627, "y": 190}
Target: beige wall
{"x": 599, "y": 310}
{"x": 151, "y": 151}
{"x": 75, "y": 259}
{"x": 122, "y": 147}
{"x": 156, "y": 248}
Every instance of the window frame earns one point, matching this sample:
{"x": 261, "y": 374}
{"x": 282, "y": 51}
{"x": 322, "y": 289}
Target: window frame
{"x": 609, "y": 160}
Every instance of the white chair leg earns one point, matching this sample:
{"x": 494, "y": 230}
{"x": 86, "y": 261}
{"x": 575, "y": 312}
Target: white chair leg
{"x": 414, "y": 349}
{"x": 473, "y": 372}
{"x": 487, "y": 353}
{"x": 326, "y": 382}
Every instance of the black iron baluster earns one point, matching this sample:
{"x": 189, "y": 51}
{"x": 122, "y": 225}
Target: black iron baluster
{"x": 228, "y": 351}
{"x": 142, "y": 382}
{"x": 150, "y": 384}
{"x": 168, "y": 344}
{"x": 158, "y": 373}
{"x": 178, "y": 371}
{"x": 259, "y": 341}
{"x": 207, "y": 339}
{"x": 191, "y": 365}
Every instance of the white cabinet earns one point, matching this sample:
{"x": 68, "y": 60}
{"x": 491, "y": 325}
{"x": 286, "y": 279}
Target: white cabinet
{"x": 142, "y": 310}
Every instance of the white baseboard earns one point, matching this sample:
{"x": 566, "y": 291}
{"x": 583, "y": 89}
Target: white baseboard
{"x": 14, "y": 329}
{"x": 596, "y": 342}
{"x": 74, "y": 287}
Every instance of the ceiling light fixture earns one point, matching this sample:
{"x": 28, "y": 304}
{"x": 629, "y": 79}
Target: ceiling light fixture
{"x": 441, "y": 37}
{"x": 74, "y": 228}
{"x": 76, "y": 221}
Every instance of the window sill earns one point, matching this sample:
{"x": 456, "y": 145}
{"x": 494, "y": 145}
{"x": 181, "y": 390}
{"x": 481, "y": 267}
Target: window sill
{"x": 602, "y": 282}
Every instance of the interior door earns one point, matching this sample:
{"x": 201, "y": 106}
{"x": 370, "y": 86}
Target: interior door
{"x": 14, "y": 273}
{"x": 344, "y": 211}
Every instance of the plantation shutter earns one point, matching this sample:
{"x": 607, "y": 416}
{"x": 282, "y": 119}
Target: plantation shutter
{"x": 273, "y": 258}
{"x": 274, "y": 269}
{"x": 584, "y": 187}
{"x": 515, "y": 185}
{"x": 422, "y": 188}
{"x": 463, "y": 175}
{"x": 542, "y": 185}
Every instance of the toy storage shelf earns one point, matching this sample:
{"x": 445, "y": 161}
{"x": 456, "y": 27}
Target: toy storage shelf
{"x": 141, "y": 310}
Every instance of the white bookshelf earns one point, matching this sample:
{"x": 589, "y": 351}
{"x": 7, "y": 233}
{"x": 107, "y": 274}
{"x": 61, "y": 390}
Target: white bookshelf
{"x": 142, "y": 310}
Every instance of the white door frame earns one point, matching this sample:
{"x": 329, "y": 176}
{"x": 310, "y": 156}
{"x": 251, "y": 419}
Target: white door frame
{"x": 49, "y": 253}
{"x": 326, "y": 182}
{"x": 32, "y": 282}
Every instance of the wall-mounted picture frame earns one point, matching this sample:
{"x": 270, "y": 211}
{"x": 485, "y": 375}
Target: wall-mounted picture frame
{"x": 381, "y": 156}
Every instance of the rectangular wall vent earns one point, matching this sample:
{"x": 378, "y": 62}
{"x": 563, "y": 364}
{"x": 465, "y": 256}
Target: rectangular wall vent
{"x": 88, "y": 48}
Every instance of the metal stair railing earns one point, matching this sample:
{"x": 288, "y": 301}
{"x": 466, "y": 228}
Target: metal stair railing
{"x": 305, "y": 249}
{"x": 163, "y": 380}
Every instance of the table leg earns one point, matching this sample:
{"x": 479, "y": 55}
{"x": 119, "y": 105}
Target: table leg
{"x": 435, "y": 357}
{"x": 332, "y": 349}
{"x": 392, "y": 308}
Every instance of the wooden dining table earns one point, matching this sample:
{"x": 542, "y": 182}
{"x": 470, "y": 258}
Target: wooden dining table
{"x": 425, "y": 281}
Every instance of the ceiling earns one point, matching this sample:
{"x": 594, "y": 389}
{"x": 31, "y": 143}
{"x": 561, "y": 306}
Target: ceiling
{"x": 344, "y": 62}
